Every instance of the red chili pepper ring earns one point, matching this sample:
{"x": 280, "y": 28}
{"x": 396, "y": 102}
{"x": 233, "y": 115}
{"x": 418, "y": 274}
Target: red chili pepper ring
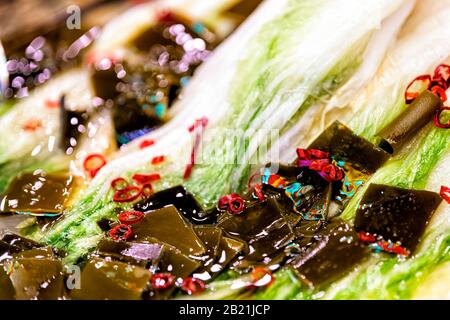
{"x": 437, "y": 118}
{"x": 439, "y": 92}
{"x": 258, "y": 192}
{"x": 144, "y": 178}
{"x": 119, "y": 184}
{"x": 127, "y": 194}
{"x": 445, "y": 193}
{"x": 442, "y": 72}
{"x": 261, "y": 277}
{"x": 416, "y": 87}
{"x": 233, "y": 203}
{"x": 193, "y": 286}
{"x": 146, "y": 190}
{"x": 93, "y": 163}
{"x": 131, "y": 217}
{"x": 162, "y": 281}
{"x": 121, "y": 232}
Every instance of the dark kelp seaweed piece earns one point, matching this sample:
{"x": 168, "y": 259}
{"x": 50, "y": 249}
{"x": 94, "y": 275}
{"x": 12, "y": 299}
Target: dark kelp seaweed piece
{"x": 168, "y": 226}
{"x": 175, "y": 262}
{"x": 414, "y": 118}
{"x": 345, "y": 145}
{"x": 273, "y": 262}
{"x": 111, "y": 280}
{"x": 138, "y": 253}
{"x": 104, "y": 83}
{"x": 302, "y": 175}
{"x": 243, "y": 9}
{"x": 228, "y": 249}
{"x": 292, "y": 217}
{"x": 317, "y": 206}
{"x": 105, "y": 224}
{"x": 180, "y": 199}
{"x": 4, "y": 248}
{"x": 37, "y": 278}
{"x": 70, "y": 122}
{"x": 334, "y": 255}
{"x": 6, "y": 288}
{"x": 131, "y": 121}
{"x": 210, "y": 236}
{"x": 18, "y": 243}
{"x": 178, "y": 265}
{"x": 306, "y": 232}
{"x": 396, "y": 214}
{"x": 37, "y": 193}
{"x": 303, "y": 192}
{"x": 262, "y": 226}
{"x": 36, "y": 253}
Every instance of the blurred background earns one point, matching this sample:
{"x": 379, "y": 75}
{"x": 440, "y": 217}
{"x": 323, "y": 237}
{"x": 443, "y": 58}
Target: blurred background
{"x": 39, "y": 38}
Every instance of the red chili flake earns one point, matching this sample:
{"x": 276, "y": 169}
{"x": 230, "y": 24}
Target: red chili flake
{"x": 131, "y": 217}
{"x": 93, "y": 163}
{"x": 261, "y": 277}
{"x": 258, "y": 192}
{"x": 304, "y": 154}
{"x": 332, "y": 173}
{"x": 127, "y": 194}
{"x": 316, "y": 165}
{"x": 188, "y": 170}
{"x": 416, "y": 87}
{"x": 437, "y": 118}
{"x": 32, "y": 125}
{"x": 233, "y": 203}
{"x": 367, "y": 237}
{"x": 162, "y": 281}
{"x": 319, "y": 161}
{"x": 147, "y": 190}
{"x": 277, "y": 181}
{"x": 142, "y": 178}
{"x": 52, "y": 104}
{"x": 119, "y": 183}
{"x": 439, "y": 82}
{"x": 314, "y": 159}
{"x": 392, "y": 248}
{"x": 439, "y": 92}
{"x": 203, "y": 122}
{"x": 121, "y": 232}
{"x": 193, "y": 286}
{"x": 146, "y": 143}
{"x": 158, "y": 159}
{"x": 165, "y": 16}
{"x": 197, "y": 128}
{"x": 445, "y": 193}
{"x": 442, "y": 72}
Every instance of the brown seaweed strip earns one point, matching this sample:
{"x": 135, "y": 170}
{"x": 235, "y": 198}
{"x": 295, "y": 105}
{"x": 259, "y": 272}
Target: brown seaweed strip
{"x": 7, "y": 291}
{"x": 334, "y": 255}
{"x": 416, "y": 116}
{"x": 396, "y": 214}
{"x": 345, "y": 145}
